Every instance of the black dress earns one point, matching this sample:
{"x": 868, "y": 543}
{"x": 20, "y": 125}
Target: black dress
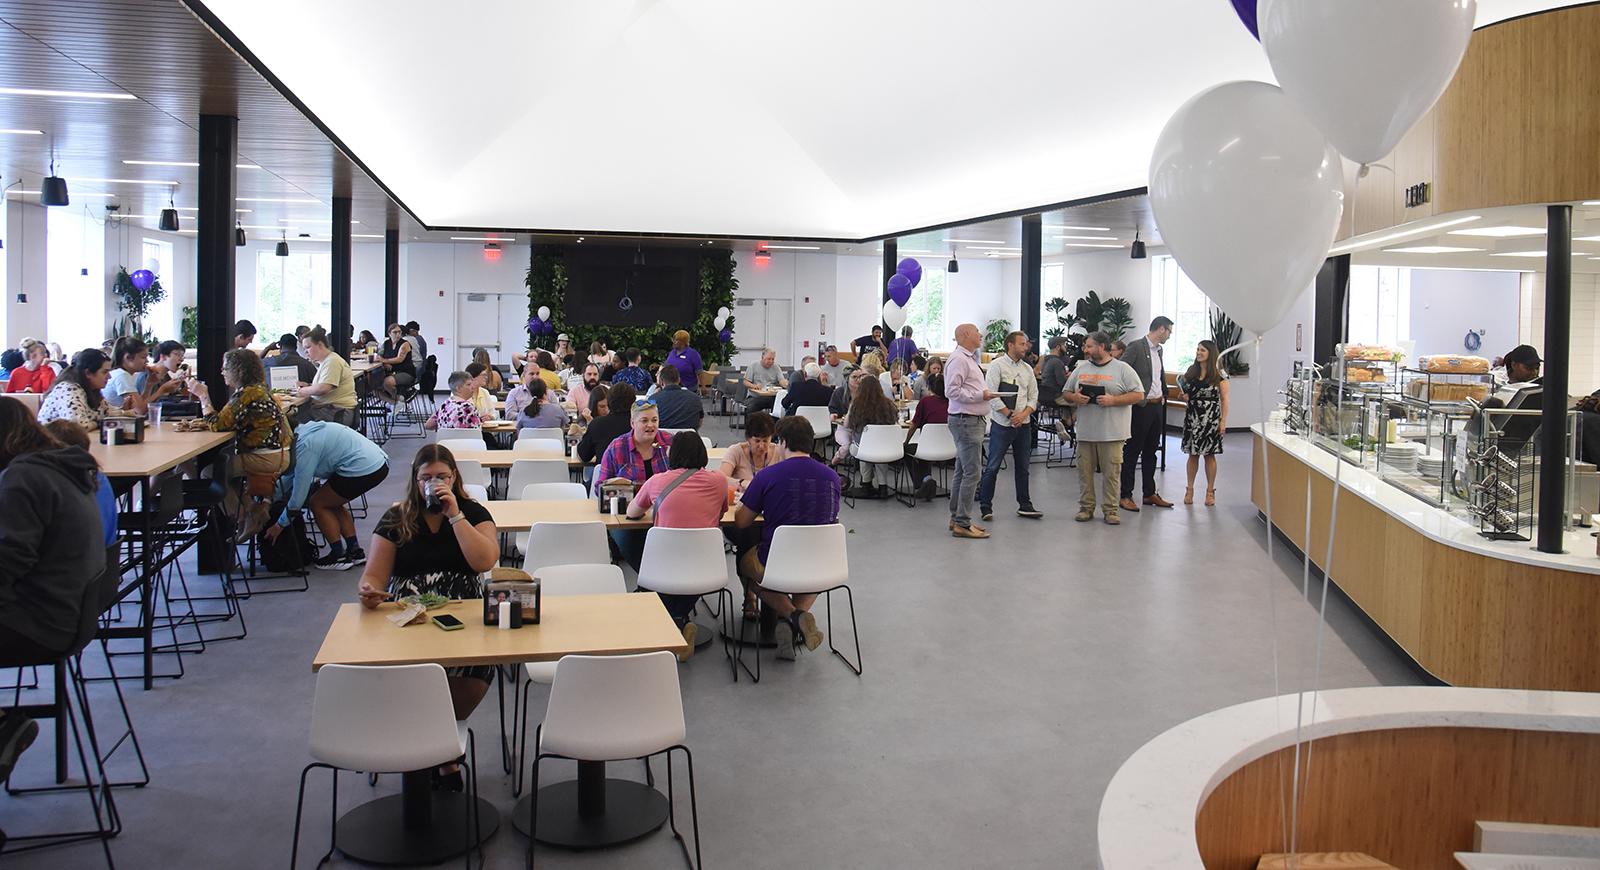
{"x": 1201, "y": 435}
{"x": 406, "y": 366}
{"x": 432, "y": 562}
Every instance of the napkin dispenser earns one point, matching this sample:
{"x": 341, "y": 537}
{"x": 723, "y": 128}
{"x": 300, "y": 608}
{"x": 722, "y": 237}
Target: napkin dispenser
{"x": 122, "y": 430}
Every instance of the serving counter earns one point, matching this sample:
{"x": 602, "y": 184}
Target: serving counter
{"x": 1469, "y": 610}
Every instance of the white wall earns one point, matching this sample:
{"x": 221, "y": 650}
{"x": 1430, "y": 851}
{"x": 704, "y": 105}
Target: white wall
{"x": 432, "y": 273}
{"x": 25, "y": 257}
{"x": 124, "y": 246}
{"x": 1584, "y": 361}
{"x": 1108, "y": 273}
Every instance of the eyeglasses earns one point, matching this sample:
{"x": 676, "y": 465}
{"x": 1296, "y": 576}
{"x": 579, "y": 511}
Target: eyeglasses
{"x": 430, "y": 479}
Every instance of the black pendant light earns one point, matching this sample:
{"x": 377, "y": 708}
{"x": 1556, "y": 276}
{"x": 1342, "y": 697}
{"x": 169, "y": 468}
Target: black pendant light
{"x": 283, "y": 246}
{"x": 638, "y": 257}
{"x": 238, "y": 235}
{"x": 54, "y": 189}
{"x": 169, "y": 215}
{"x": 1138, "y": 246}
{"x": 952, "y": 267}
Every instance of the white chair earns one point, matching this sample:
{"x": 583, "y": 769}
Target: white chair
{"x": 456, "y": 444}
{"x": 583, "y": 543}
{"x": 535, "y": 445}
{"x": 387, "y": 719}
{"x": 476, "y": 492}
{"x": 557, "y": 580}
{"x": 566, "y": 491}
{"x": 545, "y": 432}
{"x": 777, "y": 402}
{"x": 472, "y": 473}
{"x": 935, "y": 445}
{"x": 611, "y": 708}
{"x": 884, "y": 446}
{"x": 689, "y": 562}
{"x": 820, "y": 418}
{"x": 526, "y": 471}
{"x": 807, "y": 560}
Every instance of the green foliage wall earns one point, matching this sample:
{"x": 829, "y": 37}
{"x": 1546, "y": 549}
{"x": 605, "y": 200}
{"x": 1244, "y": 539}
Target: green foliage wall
{"x": 547, "y": 285}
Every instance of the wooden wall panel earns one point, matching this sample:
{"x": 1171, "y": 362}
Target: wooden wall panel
{"x": 1406, "y": 796}
{"x": 1468, "y": 619}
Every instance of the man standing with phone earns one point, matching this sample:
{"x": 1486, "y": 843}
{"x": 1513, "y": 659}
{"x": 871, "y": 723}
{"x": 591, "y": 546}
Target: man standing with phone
{"x": 1149, "y": 420}
{"x": 1010, "y": 429}
{"x": 1105, "y": 390}
{"x": 969, "y": 396}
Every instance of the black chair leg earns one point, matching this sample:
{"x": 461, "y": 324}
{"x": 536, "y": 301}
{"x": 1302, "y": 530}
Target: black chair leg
{"x": 851, "y": 600}
{"x": 694, "y": 808}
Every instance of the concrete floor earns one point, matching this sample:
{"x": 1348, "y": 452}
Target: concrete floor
{"x": 1005, "y": 682}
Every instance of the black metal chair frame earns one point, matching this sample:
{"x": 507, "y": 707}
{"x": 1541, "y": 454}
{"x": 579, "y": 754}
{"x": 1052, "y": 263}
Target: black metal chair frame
{"x": 827, "y": 597}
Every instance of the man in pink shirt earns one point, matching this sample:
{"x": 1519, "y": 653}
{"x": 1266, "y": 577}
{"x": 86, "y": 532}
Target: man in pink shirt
{"x": 969, "y": 399}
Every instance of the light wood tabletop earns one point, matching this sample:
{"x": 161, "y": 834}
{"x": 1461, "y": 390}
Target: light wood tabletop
{"x": 164, "y": 447}
{"x": 516, "y": 515}
{"x": 619, "y": 624}
{"x": 32, "y": 400}
{"x": 504, "y": 458}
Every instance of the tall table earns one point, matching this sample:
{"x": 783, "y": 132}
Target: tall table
{"x": 163, "y": 449}
{"x": 419, "y": 826}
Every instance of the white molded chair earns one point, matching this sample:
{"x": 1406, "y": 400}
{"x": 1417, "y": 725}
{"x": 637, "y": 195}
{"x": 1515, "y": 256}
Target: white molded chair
{"x": 819, "y": 417}
{"x": 526, "y": 471}
{"x": 805, "y": 560}
{"x": 777, "y": 402}
{"x": 534, "y": 445}
{"x": 472, "y": 473}
{"x": 555, "y": 580}
{"x": 453, "y": 441}
{"x": 387, "y": 719}
{"x": 611, "y": 708}
{"x": 566, "y": 491}
{"x": 549, "y": 432}
{"x": 689, "y": 562}
{"x": 583, "y": 543}
{"x": 476, "y": 492}
{"x": 884, "y": 446}
{"x": 937, "y": 446}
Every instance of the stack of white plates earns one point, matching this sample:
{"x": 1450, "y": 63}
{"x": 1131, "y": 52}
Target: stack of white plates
{"x": 1401, "y": 456}
{"x": 1430, "y": 465}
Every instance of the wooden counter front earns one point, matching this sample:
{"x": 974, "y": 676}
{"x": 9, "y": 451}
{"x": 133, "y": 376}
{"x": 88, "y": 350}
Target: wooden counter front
{"x": 1467, "y": 618}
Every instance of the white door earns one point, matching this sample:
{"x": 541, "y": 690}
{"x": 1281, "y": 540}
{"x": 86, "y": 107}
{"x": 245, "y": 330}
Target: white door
{"x": 764, "y": 323}
{"x": 477, "y": 325}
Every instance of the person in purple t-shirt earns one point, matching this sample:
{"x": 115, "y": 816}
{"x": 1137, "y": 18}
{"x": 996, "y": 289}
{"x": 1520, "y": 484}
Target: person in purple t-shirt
{"x": 796, "y": 491}
{"x": 686, "y": 360}
{"x": 902, "y": 348}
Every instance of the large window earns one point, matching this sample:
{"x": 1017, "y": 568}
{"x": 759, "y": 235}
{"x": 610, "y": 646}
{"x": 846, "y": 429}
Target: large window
{"x": 161, "y": 321}
{"x": 925, "y": 313}
{"x": 1174, "y": 295}
{"x": 293, "y": 290}
{"x": 1380, "y": 305}
{"x": 1050, "y": 287}
{"x": 75, "y": 258}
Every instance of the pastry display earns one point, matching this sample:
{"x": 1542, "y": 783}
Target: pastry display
{"x": 1456, "y": 365}
{"x": 1371, "y": 353}
{"x": 1363, "y": 375}
{"x": 1436, "y": 391}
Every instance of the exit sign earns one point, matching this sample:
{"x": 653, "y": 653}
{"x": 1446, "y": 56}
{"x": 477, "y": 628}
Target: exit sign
{"x": 1419, "y": 194}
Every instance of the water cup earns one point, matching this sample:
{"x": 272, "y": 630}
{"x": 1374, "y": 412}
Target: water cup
{"x": 155, "y": 415}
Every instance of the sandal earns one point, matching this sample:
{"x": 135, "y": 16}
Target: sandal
{"x": 1188, "y": 495}
{"x": 1211, "y": 497}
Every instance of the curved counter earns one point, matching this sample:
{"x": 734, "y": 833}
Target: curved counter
{"x": 1399, "y": 773}
{"x": 1468, "y": 610}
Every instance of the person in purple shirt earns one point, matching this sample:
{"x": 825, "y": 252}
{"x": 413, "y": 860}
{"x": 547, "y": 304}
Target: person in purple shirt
{"x": 969, "y": 396}
{"x": 903, "y": 348}
{"x": 795, "y": 491}
{"x": 686, "y": 360}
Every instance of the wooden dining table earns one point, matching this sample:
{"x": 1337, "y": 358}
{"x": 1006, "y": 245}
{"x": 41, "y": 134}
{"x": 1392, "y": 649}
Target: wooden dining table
{"x": 420, "y": 826}
{"x": 520, "y": 515}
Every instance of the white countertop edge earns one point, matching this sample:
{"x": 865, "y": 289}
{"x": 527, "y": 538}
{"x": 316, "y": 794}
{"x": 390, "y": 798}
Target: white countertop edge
{"x": 1147, "y": 815}
{"x": 1432, "y": 522}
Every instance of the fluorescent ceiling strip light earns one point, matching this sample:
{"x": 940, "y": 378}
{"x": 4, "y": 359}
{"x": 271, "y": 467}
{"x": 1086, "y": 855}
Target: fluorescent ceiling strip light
{"x": 311, "y": 221}
{"x": 1431, "y": 249}
{"x": 24, "y": 132}
{"x": 478, "y": 239}
{"x": 1531, "y": 254}
{"x": 1082, "y": 229}
{"x": 1081, "y": 245}
{"x": 1088, "y": 238}
{"x": 182, "y": 163}
{"x": 977, "y": 241}
{"x": 268, "y": 227}
{"x": 276, "y": 199}
{"x": 44, "y": 92}
{"x": 74, "y": 193}
{"x": 196, "y": 208}
{"x": 1587, "y": 239}
{"x": 76, "y": 180}
{"x": 1593, "y": 202}
{"x": 794, "y": 247}
{"x": 1500, "y": 232}
{"x": 1404, "y": 232}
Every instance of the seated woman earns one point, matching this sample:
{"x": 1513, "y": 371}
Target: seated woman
{"x": 72, "y": 435}
{"x": 492, "y": 380}
{"x": 131, "y": 386}
{"x": 363, "y": 341}
{"x": 919, "y": 387}
{"x": 264, "y": 437}
{"x": 687, "y": 496}
{"x": 540, "y": 412}
{"x": 458, "y": 410}
{"x": 35, "y": 374}
{"x": 931, "y": 408}
{"x": 608, "y": 412}
{"x": 396, "y": 356}
{"x": 741, "y": 461}
{"x": 76, "y": 396}
{"x": 894, "y": 382}
{"x": 437, "y": 541}
{"x": 870, "y": 407}
{"x": 637, "y": 455}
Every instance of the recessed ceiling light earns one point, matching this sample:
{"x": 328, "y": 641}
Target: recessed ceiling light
{"x": 366, "y": 235}
{"x": 276, "y": 199}
{"x": 74, "y": 193}
{"x": 182, "y": 163}
{"x": 87, "y": 95}
{"x": 1500, "y": 232}
{"x": 267, "y": 227}
{"x": 1084, "y": 229}
{"x": 196, "y": 208}
{"x": 1593, "y": 202}
{"x": 77, "y": 180}
{"x": 1587, "y": 239}
{"x": 1404, "y": 231}
{"x": 1083, "y": 245}
{"x": 479, "y": 239}
{"x": 978, "y": 241}
{"x": 1431, "y": 249}
{"x": 1528, "y": 254}
{"x": 1088, "y": 238}
{"x": 795, "y": 247}
{"x": 24, "y": 132}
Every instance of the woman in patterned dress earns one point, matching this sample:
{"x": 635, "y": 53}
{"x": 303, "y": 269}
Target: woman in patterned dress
{"x": 75, "y": 395}
{"x": 443, "y": 552}
{"x": 1206, "y": 418}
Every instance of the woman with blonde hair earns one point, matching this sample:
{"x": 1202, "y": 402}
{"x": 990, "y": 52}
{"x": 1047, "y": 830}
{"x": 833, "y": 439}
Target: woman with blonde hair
{"x": 1206, "y": 419}
{"x": 492, "y": 380}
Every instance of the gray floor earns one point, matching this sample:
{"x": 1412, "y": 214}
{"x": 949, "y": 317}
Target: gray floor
{"x": 1005, "y": 682}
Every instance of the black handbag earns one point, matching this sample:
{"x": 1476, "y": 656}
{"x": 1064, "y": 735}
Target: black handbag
{"x": 292, "y": 551}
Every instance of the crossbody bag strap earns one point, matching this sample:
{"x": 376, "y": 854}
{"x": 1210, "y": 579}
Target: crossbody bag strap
{"x": 687, "y": 473}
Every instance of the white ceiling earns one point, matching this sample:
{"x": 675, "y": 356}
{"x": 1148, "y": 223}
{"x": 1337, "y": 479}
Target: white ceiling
{"x": 829, "y": 119}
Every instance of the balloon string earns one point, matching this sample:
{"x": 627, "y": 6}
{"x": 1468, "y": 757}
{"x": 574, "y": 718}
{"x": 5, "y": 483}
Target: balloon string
{"x": 1272, "y": 592}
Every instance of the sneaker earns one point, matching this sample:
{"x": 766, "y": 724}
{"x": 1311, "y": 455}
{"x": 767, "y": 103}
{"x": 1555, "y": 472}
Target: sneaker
{"x": 928, "y": 489}
{"x": 332, "y": 562}
{"x": 1029, "y": 512}
{"x": 354, "y": 557}
{"x": 1061, "y": 429}
{"x": 1084, "y": 516}
{"x": 17, "y": 733}
{"x": 788, "y": 641}
{"x": 689, "y": 631}
{"x": 1113, "y": 520}
{"x": 810, "y": 635}
{"x": 986, "y": 513}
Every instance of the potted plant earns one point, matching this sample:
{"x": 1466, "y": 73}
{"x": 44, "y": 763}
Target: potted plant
{"x": 136, "y": 303}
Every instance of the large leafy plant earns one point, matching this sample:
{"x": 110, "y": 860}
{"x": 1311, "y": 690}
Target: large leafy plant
{"x": 1112, "y": 315}
{"x": 994, "y": 335}
{"x": 1226, "y": 334}
{"x": 547, "y": 285}
{"x": 134, "y": 303}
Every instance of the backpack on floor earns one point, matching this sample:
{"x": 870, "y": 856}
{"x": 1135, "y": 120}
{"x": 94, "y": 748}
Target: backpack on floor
{"x": 292, "y": 551}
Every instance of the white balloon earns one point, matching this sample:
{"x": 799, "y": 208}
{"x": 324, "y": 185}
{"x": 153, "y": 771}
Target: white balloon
{"x": 1247, "y": 195}
{"x": 894, "y": 316}
{"x": 544, "y": 312}
{"x": 1365, "y": 71}
{"x": 153, "y": 265}
{"x": 724, "y": 311}
{"x": 719, "y": 321}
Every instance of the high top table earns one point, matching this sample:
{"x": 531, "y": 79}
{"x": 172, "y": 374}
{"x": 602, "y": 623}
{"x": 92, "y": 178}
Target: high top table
{"x": 420, "y": 826}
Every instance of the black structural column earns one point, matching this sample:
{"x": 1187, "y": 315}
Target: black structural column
{"x": 891, "y": 260}
{"x": 1332, "y": 295}
{"x": 214, "y": 278}
{"x": 1032, "y": 269}
{"x": 340, "y": 250}
{"x": 391, "y": 277}
{"x": 1557, "y": 350}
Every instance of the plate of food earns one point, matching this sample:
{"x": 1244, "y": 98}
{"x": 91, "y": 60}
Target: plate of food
{"x": 426, "y": 601}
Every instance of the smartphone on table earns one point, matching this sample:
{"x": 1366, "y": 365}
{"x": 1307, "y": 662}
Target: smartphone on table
{"x": 448, "y": 623}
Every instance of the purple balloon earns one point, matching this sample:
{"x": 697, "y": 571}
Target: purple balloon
{"x": 549, "y": 327}
{"x": 142, "y": 279}
{"x": 1247, "y": 14}
{"x": 911, "y": 269}
{"x": 899, "y": 289}
{"x": 535, "y": 326}
{"x": 726, "y": 335}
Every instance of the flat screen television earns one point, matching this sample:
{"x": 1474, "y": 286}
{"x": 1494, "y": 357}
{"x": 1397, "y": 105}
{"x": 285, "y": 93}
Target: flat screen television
{"x": 605, "y": 288}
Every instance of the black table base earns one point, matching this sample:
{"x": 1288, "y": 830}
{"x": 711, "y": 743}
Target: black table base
{"x": 375, "y": 833}
{"x": 623, "y": 812}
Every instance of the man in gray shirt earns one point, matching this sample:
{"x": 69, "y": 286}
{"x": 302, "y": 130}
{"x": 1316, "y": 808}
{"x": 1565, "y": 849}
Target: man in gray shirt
{"x": 1053, "y": 376}
{"x": 833, "y": 367}
{"x": 1105, "y": 390}
{"x": 764, "y": 375}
